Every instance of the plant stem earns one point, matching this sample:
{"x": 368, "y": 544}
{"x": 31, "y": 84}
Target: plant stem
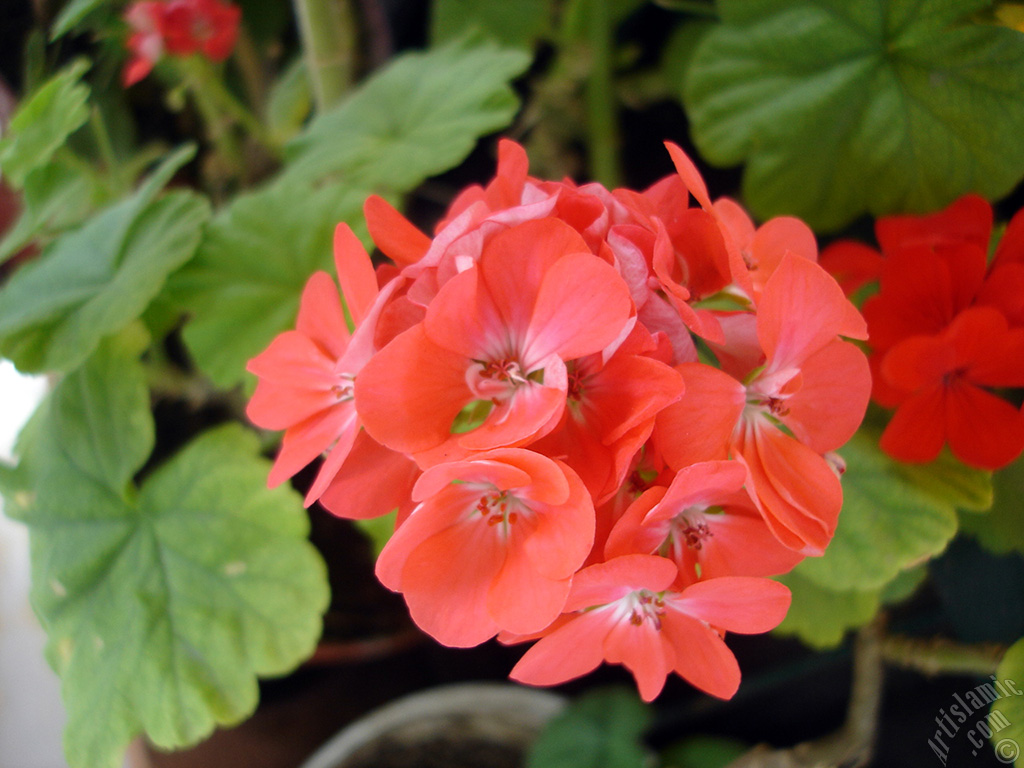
{"x": 202, "y": 78}
{"x": 933, "y": 656}
{"x": 328, "y": 32}
{"x": 602, "y": 123}
{"x": 250, "y": 67}
{"x": 106, "y": 148}
{"x": 852, "y": 745}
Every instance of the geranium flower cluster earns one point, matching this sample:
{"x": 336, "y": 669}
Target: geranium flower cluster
{"x": 178, "y": 28}
{"x": 605, "y": 417}
{"x": 946, "y": 328}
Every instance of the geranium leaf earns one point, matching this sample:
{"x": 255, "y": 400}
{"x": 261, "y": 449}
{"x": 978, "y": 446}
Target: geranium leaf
{"x": 887, "y": 523}
{"x": 844, "y": 108}
{"x": 244, "y": 284}
{"x": 417, "y": 117}
{"x": 95, "y": 280}
{"x": 72, "y": 15}
{"x": 43, "y": 123}
{"x": 1002, "y": 530}
{"x": 821, "y": 617}
{"x": 949, "y": 479}
{"x": 56, "y": 196}
{"x": 1006, "y": 719}
{"x": 161, "y": 604}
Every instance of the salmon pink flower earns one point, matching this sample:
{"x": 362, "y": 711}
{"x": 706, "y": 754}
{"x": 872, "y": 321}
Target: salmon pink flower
{"x": 625, "y": 611}
{"x": 495, "y": 340}
{"x": 307, "y": 376}
{"x": 705, "y": 523}
{"x": 610, "y": 409}
{"x": 804, "y": 395}
{"x": 492, "y": 546}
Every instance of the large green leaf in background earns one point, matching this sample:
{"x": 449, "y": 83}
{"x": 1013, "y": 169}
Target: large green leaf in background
{"x": 94, "y": 281}
{"x": 420, "y": 115}
{"x": 893, "y": 516}
{"x": 43, "y": 123}
{"x": 1002, "y": 530}
{"x": 161, "y": 603}
{"x": 56, "y": 197}
{"x": 244, "y": 284}
{"x": 840, "y": 108}
{"x": 821, "y": 617}
{"x": 1007, "y": 739}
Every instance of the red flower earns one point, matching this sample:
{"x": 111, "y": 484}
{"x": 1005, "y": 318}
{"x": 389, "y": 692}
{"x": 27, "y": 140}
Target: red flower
{"x": 180, "y": 28}
{"x": 941, "y": 379}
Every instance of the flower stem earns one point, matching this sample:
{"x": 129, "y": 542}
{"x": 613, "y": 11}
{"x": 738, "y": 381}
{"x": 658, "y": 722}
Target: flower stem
{"x": 933, "y": 656}
{"x": 327, "y": 28}
{"x": 204, "y": 80}
{"x": 114, "y": 173}
{"x": 602, "y": 122}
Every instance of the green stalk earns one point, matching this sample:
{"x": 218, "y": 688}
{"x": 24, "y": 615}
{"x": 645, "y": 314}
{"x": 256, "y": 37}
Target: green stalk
{"x": 209, "y": 88}
{"x": 602, "y": 120}
{"x": 106, "y": 149}
{"x": 328, "y": 32}
{"x": 933, "y": 656}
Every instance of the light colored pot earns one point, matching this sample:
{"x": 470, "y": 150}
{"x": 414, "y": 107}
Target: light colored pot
{"x": 499, "y": 713}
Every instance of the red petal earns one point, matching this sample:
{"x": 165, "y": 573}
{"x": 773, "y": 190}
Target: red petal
{"x": 373, "y": 481}
{"x": 321, "y": 317}
{"x": 410, "y": 392}
{"x": 702, "y": 657}
{"x": 355, "y": 272}
{"x": 574, "y": 649}
{"x": 395, "y": 235}
{"x": 917, "y": 430}
{"x": 834, "y": 390}
{"x": 984, "y": 431}
{"x": 699, "y": 425}
{"x": 801, "y": 310}
{"x": 644, "y": 651}
{"x": 744, "y": 604}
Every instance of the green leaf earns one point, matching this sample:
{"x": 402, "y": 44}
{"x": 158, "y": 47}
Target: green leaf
{"x": 888, "y": 523}
{"x": 244, "y": 284}
{"x": 56, "y": 197}
{"x": 517, "y": 24}
{"x": 821, "y": 617}
{"x": 93, "y": 281}
{"x": 1002, "y": 530}
{"x": 949, "y": 479}
{"x": 419, "y": 116}
{"x": 71, "y": 15}
{"x": 841, "y": 108}
{"x": 600, "y": 729}
{"x": 904, "y": 585}
{"x": 1006, "y": 719}
{"x": 44, "y": 122}
{"x": 161, "y": 604}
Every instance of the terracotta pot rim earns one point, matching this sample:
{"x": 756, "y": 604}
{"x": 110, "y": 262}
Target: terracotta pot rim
{"x": 530, "y": 707}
